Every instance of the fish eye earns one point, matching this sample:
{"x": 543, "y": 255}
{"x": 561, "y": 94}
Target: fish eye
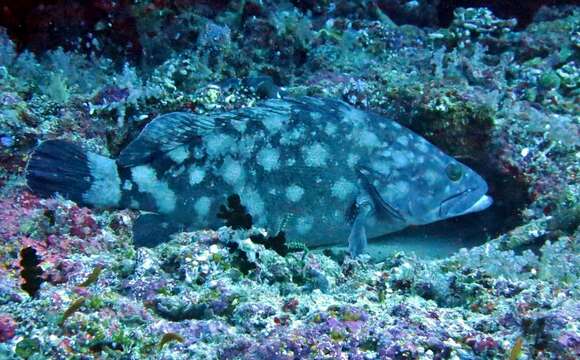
{"x": 454, "y": 172}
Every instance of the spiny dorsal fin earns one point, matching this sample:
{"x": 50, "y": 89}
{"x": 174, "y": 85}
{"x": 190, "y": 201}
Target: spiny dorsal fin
{"x": 163, "y": 134}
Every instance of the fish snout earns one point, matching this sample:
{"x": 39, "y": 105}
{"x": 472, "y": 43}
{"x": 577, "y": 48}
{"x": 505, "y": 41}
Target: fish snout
{"x": 483, "y": 203}
{"x": 465, "y": 202}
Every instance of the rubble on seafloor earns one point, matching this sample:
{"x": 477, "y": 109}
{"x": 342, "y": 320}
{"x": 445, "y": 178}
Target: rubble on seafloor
{"x": 474, "y": 304}
{"x": 500, "y": 98}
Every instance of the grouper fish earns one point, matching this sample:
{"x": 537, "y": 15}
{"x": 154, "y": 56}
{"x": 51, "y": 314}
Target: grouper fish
{"x": 324, "y": 170}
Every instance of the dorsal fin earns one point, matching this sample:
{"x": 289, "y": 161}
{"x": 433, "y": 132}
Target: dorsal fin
{"x": 163, "y": 134}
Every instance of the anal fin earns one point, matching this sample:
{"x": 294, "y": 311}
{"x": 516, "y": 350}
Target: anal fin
{"x": 150, "y": 230}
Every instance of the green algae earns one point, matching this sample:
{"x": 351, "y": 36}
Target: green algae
{"x": 27, "y": 347}
{"x": 169, "y": 337}
{"x": 516, "y": 351}
{"x": 95, "y": 302}
{"x": 549, "y": 80}
{"x": 337, "y": 335}
{"x": 123, "y": 338}
{"x": 74, "y": 307}
{"x": 93, "y": 276}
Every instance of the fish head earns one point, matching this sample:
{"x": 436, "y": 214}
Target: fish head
{"x": 420, "y": 187}
{"x": 460, "y": 191}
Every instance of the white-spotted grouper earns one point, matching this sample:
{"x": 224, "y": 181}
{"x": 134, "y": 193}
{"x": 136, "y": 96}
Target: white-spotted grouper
{"x": 328, "y": 171}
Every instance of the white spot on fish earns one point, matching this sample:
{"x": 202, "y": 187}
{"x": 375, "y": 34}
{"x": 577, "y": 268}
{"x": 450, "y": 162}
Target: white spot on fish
{"x": 202, "y": 206}
{"x": 196, "y": 175}
{"x": 239, "y": 125}
{"x": 146, "y": 179}
{"x": 352, "y": 160}
{"x": 198, "y": 153}
{"x": 403, "y": 140}
{"x": 294, "y": 193}
{"x": 304, "y": 224}
{"x": 401, "y": 158}
{"x": 268, "y": 158}
{"x": 368, "y": 139}
{"x": 382, "y": 167}
{"x": 275, "y": 122}
{"x": 179, "y": 154}
{"x": 246, "y": 146}
{"x": 292, "y": 137}
{"x": 422, "y": 145}
{"x": 330, "y": 129}
{"x": 315, "y": 155}
{"x": 105, "y": 188}
{"x": 386, "y": 153}
{"x": 218, "y": 144}
{"x": 354, "y": 116}
{"x": 252, "y": 200}
{"x": 430, "y": 177}
{"x": 342, "y": 188}
{"x": 232, "y": 171}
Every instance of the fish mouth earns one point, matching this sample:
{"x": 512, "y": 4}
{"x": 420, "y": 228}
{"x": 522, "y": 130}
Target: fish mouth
{"x": 483, "y": 203}
{"x": 464, "y": 202}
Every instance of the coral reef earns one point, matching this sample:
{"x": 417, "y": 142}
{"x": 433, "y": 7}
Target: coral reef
{"x": 476, "y": 302}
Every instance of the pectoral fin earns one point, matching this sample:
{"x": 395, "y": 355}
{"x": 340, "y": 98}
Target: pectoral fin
{"x": 357, "y": 240}
{"x": 383, "y": 209}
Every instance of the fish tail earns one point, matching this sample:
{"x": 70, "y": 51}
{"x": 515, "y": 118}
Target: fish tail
{"x": 60, "y": 167}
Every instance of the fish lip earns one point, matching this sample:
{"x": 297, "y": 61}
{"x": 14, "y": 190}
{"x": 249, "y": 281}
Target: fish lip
{"x": 483, "y": 203}
{"x": 455, "y": 205}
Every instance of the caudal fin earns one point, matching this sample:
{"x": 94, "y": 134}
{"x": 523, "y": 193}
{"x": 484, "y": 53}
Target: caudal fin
{"x": 60, "y": 167}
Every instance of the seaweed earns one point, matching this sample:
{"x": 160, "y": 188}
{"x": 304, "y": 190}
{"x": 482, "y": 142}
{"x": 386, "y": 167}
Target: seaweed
{"x": 235, "y": 214}
{"x": 74, "y": 307}
{"x": 93, "y": 276}
{"x": 167, "y": 337}
{"x": 517, "y": 349}
{"x": 31, "y": 273}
